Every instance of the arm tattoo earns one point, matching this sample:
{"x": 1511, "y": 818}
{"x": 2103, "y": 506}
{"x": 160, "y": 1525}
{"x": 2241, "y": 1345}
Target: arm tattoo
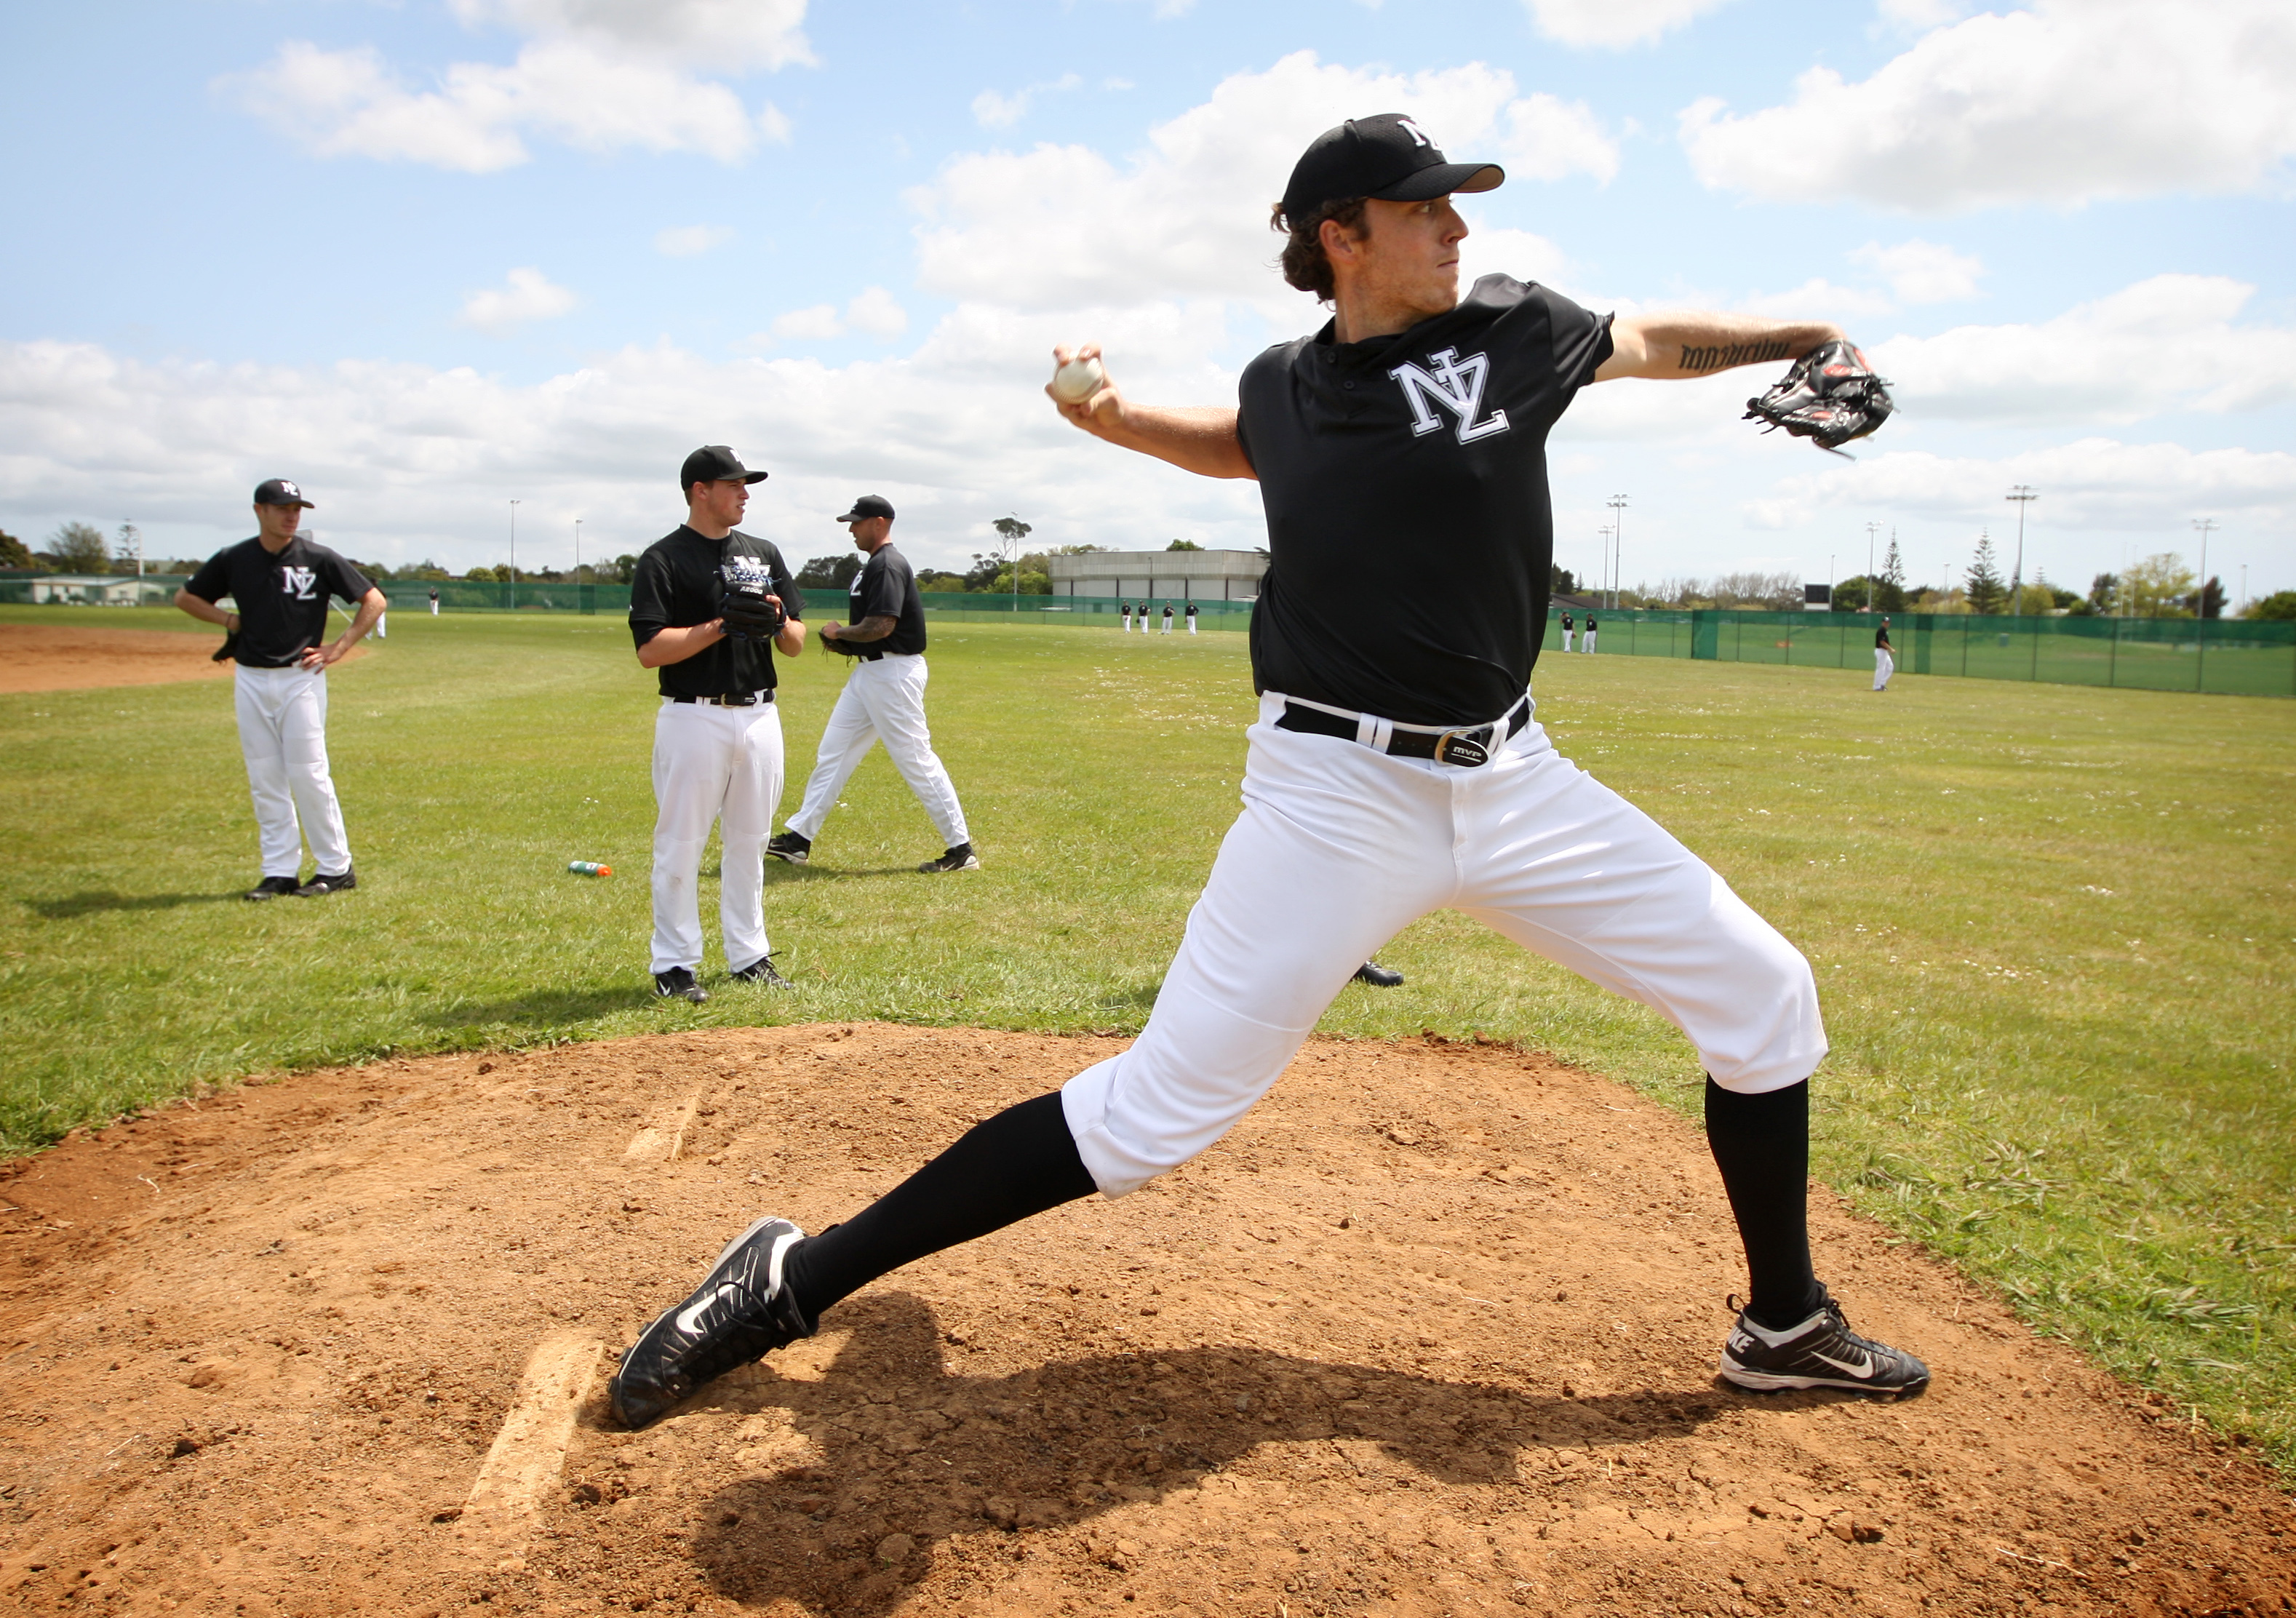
{"x": 875, "y": 627}
{"x": 1722, "y": 357}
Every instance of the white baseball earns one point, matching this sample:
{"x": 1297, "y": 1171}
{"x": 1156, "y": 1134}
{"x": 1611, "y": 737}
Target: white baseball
{"x": 1078, "y": 381}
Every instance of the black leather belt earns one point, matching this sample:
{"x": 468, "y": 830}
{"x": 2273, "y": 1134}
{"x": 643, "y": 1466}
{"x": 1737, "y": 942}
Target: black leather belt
{"x": 735, "y": 699}
{"x": 1467, "y": 746}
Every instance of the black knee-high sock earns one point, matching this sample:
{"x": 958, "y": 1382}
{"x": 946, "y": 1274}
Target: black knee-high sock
{"x": 1003, "y": 1168}
{"x": 1762, "y": 1144}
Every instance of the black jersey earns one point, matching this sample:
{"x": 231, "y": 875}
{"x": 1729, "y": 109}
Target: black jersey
{"x": 678, "y": 585}
{"x": 282, "y": 598}
{"x": 886, "y": 587}
{"x": 1881, "y": 638}
{"x": 1409, "y": 531}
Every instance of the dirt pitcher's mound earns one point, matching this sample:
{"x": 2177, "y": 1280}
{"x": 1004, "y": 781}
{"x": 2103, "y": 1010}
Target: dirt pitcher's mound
{"x": 1432, "y": 1333}
{"x": 67, "y": 657}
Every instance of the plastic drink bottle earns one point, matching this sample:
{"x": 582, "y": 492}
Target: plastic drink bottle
{"x": 584, "y": 867}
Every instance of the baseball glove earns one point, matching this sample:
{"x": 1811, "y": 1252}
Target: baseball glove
{"x": 748, "y": 606}
{"x": 1830, "y": 395}
{"x": 227, "y": 651}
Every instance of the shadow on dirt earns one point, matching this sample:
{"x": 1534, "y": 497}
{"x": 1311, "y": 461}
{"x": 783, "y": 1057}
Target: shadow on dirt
{"x": 543, "y": 1008}
{"x": 913, "y": 1452}
{"x": 103, "y": 899}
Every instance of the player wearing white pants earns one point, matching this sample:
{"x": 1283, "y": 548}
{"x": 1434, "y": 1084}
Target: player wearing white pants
{"x": 283, "y": 736}
{"x": 1395, "y": 770}
{"x": 1350, "y": 846}
{"x": 1885, "y": 657}
{"x": 717, "y": 737}
{"x": 716, "y": 764}
{"x": 281, "y": 582}
{"x": 883, "y": 699}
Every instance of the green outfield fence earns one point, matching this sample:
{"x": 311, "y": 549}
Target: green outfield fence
{"x": 2230, "y": 656}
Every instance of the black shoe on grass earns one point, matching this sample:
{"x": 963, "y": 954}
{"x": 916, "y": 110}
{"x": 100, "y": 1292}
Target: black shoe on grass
{"x": 677, "y": 984}
{"x": 274, "y": 887}
{"x": 761, "y": 972}
{"x": 1821, "y": 1352}
{"x": 790, "y": 846}
{"x": 320, "y": 886}
{"x": 1379, "y": 976}
{"x": 739, "y": 1314}
{"x": 959, "y": 858}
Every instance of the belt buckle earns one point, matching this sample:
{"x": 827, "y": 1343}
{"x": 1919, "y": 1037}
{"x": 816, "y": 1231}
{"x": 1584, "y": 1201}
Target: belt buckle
{"x": 1459, "y": 747}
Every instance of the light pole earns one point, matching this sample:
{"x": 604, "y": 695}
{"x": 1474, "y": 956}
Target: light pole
{"x": 2021, "y": 493}
{"x": 1603, "y": 577}
{"x": 1618, "y": 504}
{"x": 1871, "y": 529}
{"x": 2204, "y": 527}
{"x": 577, "y": 551}
{"x": 513, "y": 556}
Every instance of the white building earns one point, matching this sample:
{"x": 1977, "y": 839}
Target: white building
{"x": 1160, "y": 575}
{"x": 99, "y": 589}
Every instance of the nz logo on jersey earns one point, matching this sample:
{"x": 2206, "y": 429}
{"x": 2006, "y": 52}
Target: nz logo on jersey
{"x": 1453, "y": 384}
{"x": 298, "y": 582}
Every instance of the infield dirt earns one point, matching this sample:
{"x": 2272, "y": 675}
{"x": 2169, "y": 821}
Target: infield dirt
{"x": 1433, "y": 1332}
{"x": 71, "y": 657}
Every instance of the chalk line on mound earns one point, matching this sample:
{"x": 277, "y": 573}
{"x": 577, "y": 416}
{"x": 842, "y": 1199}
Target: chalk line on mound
{"x": 530, "y": 1450}
{"x": 662, "y": 1142}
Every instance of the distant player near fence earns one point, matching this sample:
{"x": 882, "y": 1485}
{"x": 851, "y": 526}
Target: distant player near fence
{"x": 1885, "y": 657}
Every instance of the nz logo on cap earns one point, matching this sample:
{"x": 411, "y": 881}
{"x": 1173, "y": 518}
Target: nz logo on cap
{"x": 298, "y": 582}
{"x": 1458, "y": 386}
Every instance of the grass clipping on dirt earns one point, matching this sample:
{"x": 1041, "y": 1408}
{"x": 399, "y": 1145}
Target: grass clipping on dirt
{"x": 1434, "y": 1331}
{"x": 2053, "y": 925}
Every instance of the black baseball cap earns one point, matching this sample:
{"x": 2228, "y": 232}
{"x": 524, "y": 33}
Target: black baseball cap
{"x": 281, "y": 491}
{"x": 1386, "y": 156}
{"x": 869, "y": 505}
{"x": 715, "y": 464}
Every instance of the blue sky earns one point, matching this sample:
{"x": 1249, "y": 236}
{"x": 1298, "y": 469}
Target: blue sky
{"x": 434, "y": 256}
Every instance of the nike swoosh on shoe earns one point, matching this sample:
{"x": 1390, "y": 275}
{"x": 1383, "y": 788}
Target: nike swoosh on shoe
{"x": 1862, "y": 1372}
{"x": 689, "y": 1319}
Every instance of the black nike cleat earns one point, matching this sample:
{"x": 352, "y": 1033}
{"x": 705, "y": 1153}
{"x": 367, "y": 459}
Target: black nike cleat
{"x": 1821, "y": 1352}
{"x": 760, "y": 972}
{"x": 677, "y": 984}
{"x": 274, "y": 887}
{"x": 319, "y": 887}
{"x": 790, "y": 847}
{"x": 1379, "y": 976}
{"x": 741, "y": 1313}
{"x": 959, "y": 858}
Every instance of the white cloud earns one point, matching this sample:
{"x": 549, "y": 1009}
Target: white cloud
{"x": 2090, "y": 484}
{"x": 993, "y": 110}
{"x": 1816, "y": 299}
{"x": 600, "y": 74}
{"x": 2168, "y": 343}
{"x": 527, "y": 295}
{"x": 686, "y": 241}
{"x": 1923, "y": 272}
{"x": 874, "y": 310}
{"x": 724, "y": 35}
{"x": 1615, "y": 23}
{"x": 815, "y": 325}
{"x": 1923, "y": 14}
{"x": 2069, "y": 101}
{"x": 1066, "y": 227}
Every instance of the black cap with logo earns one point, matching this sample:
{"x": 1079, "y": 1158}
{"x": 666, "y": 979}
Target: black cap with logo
{"x": 281, "y": 491}
{"x": 1385, "y": 156}
{"x": 715, "y": 464}
{"x": 869, "y": 505}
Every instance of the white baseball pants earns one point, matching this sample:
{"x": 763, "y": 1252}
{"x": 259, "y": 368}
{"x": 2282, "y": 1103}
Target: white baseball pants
{"x": 1588, "y": 638}
{"x": 1885, "y": 666}
{"x": 1191, "y": 625}
{"x": 283, "y": 736}
{"x": 722, "y": 765}
{"x": 1339, "y": 848}
{"x": 882, "y": 701}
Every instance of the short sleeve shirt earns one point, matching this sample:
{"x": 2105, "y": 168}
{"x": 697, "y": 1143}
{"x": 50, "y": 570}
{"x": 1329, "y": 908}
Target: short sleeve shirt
{"x": 676, "y": 585}
{"x": 1409, "y": 528}
{"x": 282, "y": 599}
{"x": 1881, "y": 638}
{"x": 886, "y": 587}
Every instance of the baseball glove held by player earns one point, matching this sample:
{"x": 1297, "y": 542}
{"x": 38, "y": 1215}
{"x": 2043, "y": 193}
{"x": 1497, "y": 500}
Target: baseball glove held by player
{"x": 748, "y": 606}
{"x": 1830, "y": 395}
{"x": 227, "y": 652}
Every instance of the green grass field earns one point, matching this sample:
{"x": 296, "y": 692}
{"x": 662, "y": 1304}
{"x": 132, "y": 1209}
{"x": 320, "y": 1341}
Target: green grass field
{"x": 2054, "y": 924}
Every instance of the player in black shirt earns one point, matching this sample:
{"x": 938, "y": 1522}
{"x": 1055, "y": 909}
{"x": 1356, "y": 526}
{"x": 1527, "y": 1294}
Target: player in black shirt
{"x": 1885, "y": 657}
{"x": 883, "y": 699}
{"x": 281, "y": 582}
{"x": 718, "y": 736}
{"x": 1396, "y": 769}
